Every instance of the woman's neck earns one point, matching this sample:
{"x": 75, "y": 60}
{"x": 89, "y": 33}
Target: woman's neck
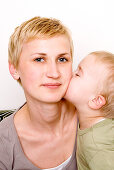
{"x": 44, "y": 112}
{"x": 47, "y": 117}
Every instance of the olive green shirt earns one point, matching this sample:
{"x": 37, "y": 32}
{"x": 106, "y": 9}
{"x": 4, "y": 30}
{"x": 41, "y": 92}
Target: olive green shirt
{"x": 95, "y": 146}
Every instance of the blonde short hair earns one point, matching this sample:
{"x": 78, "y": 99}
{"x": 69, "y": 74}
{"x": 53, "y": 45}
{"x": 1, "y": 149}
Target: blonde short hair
{"x": 108, "y": 86}
{"x": 37, "y": 27}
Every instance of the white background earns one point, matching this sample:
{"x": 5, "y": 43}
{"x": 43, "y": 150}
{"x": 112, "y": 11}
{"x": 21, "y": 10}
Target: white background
{"x": 90, "y": 21}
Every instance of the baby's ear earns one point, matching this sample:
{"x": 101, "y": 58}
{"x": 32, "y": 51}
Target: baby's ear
{"x": 13, "y": 71}
{"x": 97, "y": 102}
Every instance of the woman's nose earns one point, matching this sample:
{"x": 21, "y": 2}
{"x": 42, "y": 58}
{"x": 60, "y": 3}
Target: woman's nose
{"x": 53, "y": 70}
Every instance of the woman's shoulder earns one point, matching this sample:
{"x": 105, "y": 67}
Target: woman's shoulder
{"x": 7, "y": 142}
{"x": 6, "y": 126}
{"x": 7, "y": 121}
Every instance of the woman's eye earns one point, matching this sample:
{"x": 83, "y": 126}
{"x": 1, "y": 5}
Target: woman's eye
{"x": 62, "y": 59}
{"x": 39, "y": 59}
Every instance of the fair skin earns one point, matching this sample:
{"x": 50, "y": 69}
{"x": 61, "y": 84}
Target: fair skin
{"x": 46, "y": 125}
{"x": 84, "y": 91}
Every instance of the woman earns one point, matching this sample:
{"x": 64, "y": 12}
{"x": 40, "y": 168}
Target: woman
{"x": 41, "y": 134}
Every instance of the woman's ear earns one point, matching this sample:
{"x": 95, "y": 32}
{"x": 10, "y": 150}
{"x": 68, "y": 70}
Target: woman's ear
{"x": 97, "y": 102}
{"x": 13, "y": 71}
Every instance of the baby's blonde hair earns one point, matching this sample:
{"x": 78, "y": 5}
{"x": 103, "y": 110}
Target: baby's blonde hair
{"x": 37, "y": 27}
{"x": 108, "y": 86}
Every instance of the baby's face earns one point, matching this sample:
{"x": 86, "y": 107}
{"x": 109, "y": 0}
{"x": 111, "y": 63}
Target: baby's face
{"x": 86, "y": 81}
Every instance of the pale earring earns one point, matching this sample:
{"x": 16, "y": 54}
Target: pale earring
{"x": 15, "y": 75}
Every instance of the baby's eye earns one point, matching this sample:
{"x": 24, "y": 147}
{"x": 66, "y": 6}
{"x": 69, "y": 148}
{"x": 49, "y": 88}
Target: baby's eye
{"x": 39, "y": 59}
{"x": 77, "y": 74}
{"x": 62, "y": 59}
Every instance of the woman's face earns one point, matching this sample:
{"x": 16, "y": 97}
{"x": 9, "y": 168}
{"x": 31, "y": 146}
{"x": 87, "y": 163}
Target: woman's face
{"x": 45, "y": 68}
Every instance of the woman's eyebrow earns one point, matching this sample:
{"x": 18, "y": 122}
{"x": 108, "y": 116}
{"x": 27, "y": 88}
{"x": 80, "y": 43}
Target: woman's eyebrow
{"x": 63, "y": 54}
{"x": 39, "y": 54}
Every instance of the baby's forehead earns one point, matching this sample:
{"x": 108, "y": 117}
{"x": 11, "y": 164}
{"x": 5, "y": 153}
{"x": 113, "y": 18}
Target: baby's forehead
{"x": 93, "y": 60}
{"x": 87, "y": 61}
{"x": 93, "y": 65}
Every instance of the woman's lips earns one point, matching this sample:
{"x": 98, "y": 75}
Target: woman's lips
{"x": 52, "y": 85}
